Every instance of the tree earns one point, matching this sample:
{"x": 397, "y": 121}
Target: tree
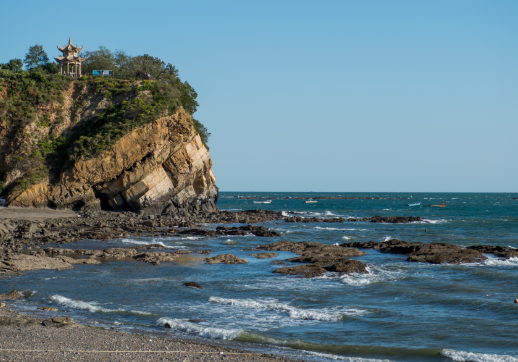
{"x": 102, "y": 59}
{"x": 154, "y": 66}
{"x": 35, "y": 57}
{"x": 14, "y": 65}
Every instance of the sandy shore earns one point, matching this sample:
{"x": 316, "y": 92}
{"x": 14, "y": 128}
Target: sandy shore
{"x": 85, "y": 343}
{"x": 24, "y": 213}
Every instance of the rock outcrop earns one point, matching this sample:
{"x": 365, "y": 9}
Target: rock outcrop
{"x": 162, "y": 166}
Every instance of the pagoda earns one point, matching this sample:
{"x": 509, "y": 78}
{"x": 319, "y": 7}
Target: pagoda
{"x": 70, "y": 59}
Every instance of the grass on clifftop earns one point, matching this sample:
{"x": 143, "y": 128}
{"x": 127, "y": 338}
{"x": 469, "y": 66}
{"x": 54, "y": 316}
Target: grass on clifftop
{"x": 31, "y": 99}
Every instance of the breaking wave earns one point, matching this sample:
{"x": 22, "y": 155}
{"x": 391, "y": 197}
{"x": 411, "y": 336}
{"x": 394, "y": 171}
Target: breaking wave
{"x": 200, "y": 330}
{"x": 476, "y": 357}
{"x": 294, "y": 312}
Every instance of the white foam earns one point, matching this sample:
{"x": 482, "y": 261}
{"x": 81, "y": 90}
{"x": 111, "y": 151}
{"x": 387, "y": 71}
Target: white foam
{"x": 204, "y": 331}
{"x": 77, "y": 304}
{"x": 494, "y": 261}
{"x": 387, "y": 238}
{"x": 137, "y": 242}
{"x": 330, "y": 228}
{"x": 375, "y": 275}
{"x": 462, "y": 356}
{"x": 230, "y": 242}
{"x": 343, "y": 358}
{"x": 347, "y": 237}
{"x": 428, "y": 221}
{"x": 295, "y": 313}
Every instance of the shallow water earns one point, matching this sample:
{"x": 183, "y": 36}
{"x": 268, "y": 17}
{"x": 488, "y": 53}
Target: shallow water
{"x": 401, "y": 311}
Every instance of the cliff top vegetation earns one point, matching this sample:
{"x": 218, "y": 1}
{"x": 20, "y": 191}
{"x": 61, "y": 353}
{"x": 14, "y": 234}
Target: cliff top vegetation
{"x": 42, "y": 134}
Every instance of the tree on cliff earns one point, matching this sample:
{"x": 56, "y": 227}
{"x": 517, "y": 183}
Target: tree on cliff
{"x": 14, "y": 65}
{"x": 36, "y": 57}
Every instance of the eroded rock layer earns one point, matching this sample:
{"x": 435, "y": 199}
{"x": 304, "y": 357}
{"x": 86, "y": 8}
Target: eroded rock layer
{"x": 162, "y": 166}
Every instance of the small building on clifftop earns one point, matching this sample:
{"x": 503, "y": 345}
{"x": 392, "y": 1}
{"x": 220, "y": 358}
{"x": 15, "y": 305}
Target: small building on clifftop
{"x": 71, "y": 59}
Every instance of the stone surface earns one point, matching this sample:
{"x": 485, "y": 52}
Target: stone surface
{"x": 266, "y": 255}
{"x": 11, "y": 296}
{"x": 305, "y": 271}
{"x": 162, "y": 165}
{"x": 14, "y": 263}
{"x": 226, "y": 259}
{"x": 193, "y": 285}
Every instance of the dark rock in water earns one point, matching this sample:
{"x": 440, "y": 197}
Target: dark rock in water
{"x": 377, "y": 218}
{"x": 388, "y": 219}
{"x": 266, "y": 255}
{"x": 435, "y": 253}
{"x": 313, "y": 219}
{"x": 278, "y": 262}
{"x": 285, "y": 245}
{"x": 445, "y": 256}
{"x": 11, "y": 296}
{"x": 348, "y": 266}
{"x": 305, "y": 271}
{"x": 193, "y": 285}
{"x": 362, "y": 244}
{"x": 49, "y": 309}
{"x": 243, "y": 230}
{"x": 500, "y": 251}
{"x": 320, "y": 260}
{"x": 197, "y": 320}
{"x": 312, "y": 250}
{"x": 226, "y": 259}
{"x": 199, "y": 232}
{"x": 167, "y": 325}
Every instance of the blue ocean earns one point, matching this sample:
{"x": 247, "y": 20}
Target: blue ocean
{"x": 399, "y": 311}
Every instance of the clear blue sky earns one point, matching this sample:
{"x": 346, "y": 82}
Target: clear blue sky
{"x": 322, "y": 95}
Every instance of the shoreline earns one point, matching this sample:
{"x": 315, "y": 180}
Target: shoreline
{"x": 82, "y": 342}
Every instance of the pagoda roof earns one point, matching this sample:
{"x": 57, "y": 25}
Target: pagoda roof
{"x": 69, "y": 47}
{"x": 70, "y": 59}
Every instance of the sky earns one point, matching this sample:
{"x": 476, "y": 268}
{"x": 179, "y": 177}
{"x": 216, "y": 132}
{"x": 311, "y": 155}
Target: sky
{"x": 331, "y": 96}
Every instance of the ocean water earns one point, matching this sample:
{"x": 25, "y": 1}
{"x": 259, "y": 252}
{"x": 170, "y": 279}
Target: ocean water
{"x": 400, "y": 311}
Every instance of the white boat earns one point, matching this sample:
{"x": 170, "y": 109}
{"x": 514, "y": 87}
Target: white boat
{"x": 263, "y": 202}
{"x": 310, "y": 201}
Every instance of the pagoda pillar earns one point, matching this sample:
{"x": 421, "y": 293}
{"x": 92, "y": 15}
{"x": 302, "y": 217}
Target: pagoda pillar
{"x": 68, "y": 68}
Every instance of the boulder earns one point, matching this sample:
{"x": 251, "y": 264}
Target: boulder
{"x": 266, "y": 255}
{"x": 348, "y": 266}
{"x": 304, "y": 271}
{"x": 11, "y": 296}
{"x": 193, "y": 285}
{"x": 226, "y": 259}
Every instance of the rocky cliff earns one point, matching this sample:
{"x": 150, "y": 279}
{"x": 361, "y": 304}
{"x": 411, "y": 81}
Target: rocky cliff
{"x": 151, "y": 159}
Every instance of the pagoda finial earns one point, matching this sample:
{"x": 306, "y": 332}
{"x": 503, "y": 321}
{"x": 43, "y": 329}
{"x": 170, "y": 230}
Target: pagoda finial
{"x": 70, "y": 40}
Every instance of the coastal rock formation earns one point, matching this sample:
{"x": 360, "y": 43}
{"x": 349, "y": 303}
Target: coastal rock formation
{"x": 435, "y": 253}
{"x": 387, "y": 219}
{"x": 226, "y": 259}
{"x": 162, "y": 166}
{"x": 266, "y": 255}
{"x": 16, "y": 263}
{"x": 235, "y": 231}
{"x": 304, "y": 271}
{"x": 322, "y": 258}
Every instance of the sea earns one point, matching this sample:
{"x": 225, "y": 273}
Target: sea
{"x": 399, "y": 311}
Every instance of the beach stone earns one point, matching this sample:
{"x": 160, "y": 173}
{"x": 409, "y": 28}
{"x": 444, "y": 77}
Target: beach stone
{"x": 63, "y": 320}
{"x": 193, "y": 285}
{"x": 17, "y": 321}
{"x": 305, "y": 271}
{"x": 49, "y": 309}
{"x": 11, "y": 296}
{"x": 278, "y": 262}
{"x": 226, "y": 259}
{"x": 2, "y": 305}
{"x": 266, "y": 255}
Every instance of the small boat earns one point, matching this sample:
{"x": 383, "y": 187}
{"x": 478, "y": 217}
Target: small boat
{"x": 442, "y": 204}
{"x": 310, "y": 201}
{"x": 416, "y": 204}
{"x": 263, "y": 202}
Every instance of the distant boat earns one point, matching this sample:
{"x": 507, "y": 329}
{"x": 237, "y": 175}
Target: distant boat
{"x": 416, "y": 204}
{"x": 442, "y": 204}
{"x": 263, "y": 202}
{"x": 310, "y": 201}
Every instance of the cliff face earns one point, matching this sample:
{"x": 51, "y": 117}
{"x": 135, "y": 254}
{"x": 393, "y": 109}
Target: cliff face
{"x": 162, "y": 166}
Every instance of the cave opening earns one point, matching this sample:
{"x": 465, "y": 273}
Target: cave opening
{"x": 78, "y": 205}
